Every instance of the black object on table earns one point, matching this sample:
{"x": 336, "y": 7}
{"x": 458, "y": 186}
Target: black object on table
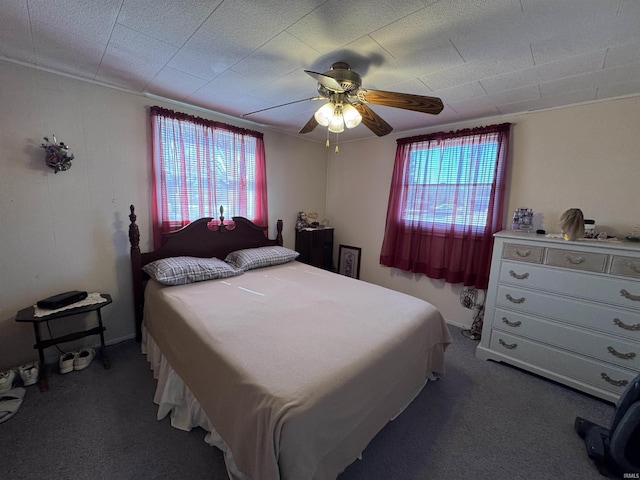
{"x": 28, "y": 315}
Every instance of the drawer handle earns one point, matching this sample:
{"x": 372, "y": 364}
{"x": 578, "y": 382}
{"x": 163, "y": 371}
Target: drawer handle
{"x": 634, "y": 267}
{"x": 617, "y": 383}
{"x": 621, "y": 324}
{"x": 514, "y": 300}
{"x": 625, "y": 294}
{"x": 506, "y": 345}
{"x": 517, "y": 276}
{"x": 623, "y": 356}
{"x": 523, "y": 254}
{"x": 574, "y": 260}
{"x": 511, "y": 324}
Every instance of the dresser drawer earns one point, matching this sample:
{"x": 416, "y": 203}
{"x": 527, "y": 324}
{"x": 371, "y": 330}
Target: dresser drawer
{"x": 568, "y": 365}
{"x": 596, "y": 288}
{"x": 587, "y": 261}
{"x": 618, "y": 322}
{"x": 522, "y": 253}
{"x": 625, "y": 266}
{"x": 609, "y": 349}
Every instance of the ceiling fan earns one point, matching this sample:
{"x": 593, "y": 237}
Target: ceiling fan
{"x": 347, "y": 102}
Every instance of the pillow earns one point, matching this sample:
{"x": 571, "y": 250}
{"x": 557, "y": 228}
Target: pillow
{"x": 183, "y": 270}
{"x": 251, "y": 258}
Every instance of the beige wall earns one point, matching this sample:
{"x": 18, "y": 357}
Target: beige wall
{"x": 584, "y": 156}
{"x": 68, "y": 231}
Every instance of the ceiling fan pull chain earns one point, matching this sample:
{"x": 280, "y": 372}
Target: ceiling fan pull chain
{"x": 336, "y": 150}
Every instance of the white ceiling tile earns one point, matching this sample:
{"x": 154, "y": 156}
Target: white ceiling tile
{"x": 232, "y": 83}
{"x": 173, "y": 84}
{"x": 89, "y": 19}
{"x": 79, "y": 56}
{"x": 480, "y": 28}
{"x": 281, "y": 55}
{"x": 333, "y": 24}
{"x": 531, "y": 92}
{"x": 591, "y": 80}
{"x": 622, "y": 55}
{"x": 421, "y": 41}
{"x": 570, "y": 98}
{"x": 622, "y": 89}
{"x": 412, "y": 86}
{"x": 15, "y": 32}
{"x": 166, "y": 20}
{"x": 460, "y": 92}
{"x": 510, "y": 60}
{"x": 132, "y": 59}
{"x": 545, "y": 73}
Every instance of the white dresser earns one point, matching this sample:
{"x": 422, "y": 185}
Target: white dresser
{"x": 569, "y": 311}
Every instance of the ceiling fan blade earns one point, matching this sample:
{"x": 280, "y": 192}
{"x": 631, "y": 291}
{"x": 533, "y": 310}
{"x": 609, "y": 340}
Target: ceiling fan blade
{"x": 310, "y": 125}
{"x": 283, "y": 105}
{"x": 372, "y": 120}
{"x": 326, "y": 81}
{"x": 407, "y": 101}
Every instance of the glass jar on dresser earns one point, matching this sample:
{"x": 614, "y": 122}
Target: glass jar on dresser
{"x": 565, "y": 310}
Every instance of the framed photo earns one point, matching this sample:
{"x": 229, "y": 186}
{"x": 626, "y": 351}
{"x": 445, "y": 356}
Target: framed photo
{"x": 349, "y": 261}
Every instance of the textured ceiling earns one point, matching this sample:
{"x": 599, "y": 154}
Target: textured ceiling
{"x": 481, "y": 57}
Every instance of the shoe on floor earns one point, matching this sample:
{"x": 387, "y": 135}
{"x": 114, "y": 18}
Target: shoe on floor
{"x": 7, "y": 380}
{"x": 10, "y": 402}
{"x": 83, "y": 359}
{"x": 67, "y": 361}
{"x": 29, "y": 373}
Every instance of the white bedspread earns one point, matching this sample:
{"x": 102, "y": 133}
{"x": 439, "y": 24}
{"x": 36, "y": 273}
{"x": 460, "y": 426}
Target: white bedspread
{"x": 295, "y": 367}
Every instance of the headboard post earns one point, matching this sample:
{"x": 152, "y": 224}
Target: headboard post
{"x": 136, "y": 271}
{"x": 279, "y": 233}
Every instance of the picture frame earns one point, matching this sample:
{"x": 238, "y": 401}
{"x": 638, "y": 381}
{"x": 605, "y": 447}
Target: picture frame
{"x": 349, "y": 261}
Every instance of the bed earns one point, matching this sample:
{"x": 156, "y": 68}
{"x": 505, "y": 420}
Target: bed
{"x": 291, "y": 369}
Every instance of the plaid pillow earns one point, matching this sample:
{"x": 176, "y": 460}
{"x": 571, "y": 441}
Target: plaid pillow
{"x": 183, "y": 270}
{"x": 251, "y": 258}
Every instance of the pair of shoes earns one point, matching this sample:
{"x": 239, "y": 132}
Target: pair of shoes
{"x": 7, "y": 379}
{"x": 83, "y": 359}
{"x": 29, "y": 372}
{"x": 76, "y": 360}
{"x": 10, "y": 402}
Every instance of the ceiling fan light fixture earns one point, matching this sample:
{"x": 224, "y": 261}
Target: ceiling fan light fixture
{"x": 337, "y": 124}
{"x": 352, "y": 117}
{"x": 324, "y": 114}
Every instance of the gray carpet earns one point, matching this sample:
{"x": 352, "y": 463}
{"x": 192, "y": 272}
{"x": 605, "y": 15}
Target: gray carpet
{"x": 483, "y": 420}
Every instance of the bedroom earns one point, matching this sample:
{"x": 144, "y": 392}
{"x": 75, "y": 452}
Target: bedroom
{"x": 69, "y": 231}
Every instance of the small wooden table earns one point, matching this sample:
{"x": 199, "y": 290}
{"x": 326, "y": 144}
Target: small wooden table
{"x": 27, "y": 315}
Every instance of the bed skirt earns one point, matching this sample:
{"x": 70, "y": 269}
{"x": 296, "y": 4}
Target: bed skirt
{"x": 175, "y": 399}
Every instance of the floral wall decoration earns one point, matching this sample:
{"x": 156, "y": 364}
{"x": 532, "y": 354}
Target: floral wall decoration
{"x": 58, "y": 156}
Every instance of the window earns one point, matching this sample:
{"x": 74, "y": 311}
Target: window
{"x": 451, "y": 184}
{"x": 446, "y": 202}
{"x": 200, "y": 165}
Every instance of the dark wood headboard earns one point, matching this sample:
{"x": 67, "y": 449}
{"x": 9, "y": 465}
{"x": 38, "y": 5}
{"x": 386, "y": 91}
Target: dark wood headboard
{"x": 194, "y": 240}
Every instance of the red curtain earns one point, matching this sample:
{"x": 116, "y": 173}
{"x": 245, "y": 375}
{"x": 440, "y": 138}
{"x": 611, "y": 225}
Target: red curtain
{"x": 200, "y": 165}
{"x": 437, "y": 206}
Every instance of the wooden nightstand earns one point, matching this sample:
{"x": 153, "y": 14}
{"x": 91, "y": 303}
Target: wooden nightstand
{"x": 27, "y": 315}
{"x": 315, "y": 246}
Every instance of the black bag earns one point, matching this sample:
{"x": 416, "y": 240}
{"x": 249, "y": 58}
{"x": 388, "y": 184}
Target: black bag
{"x": 616, "y": 450}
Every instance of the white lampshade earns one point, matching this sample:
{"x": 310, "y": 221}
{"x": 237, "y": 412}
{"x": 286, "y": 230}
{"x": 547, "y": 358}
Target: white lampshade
{"x": 352, "y": 117}
{"x": 324, "y": 114}
{"x": 336, "y": 125}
